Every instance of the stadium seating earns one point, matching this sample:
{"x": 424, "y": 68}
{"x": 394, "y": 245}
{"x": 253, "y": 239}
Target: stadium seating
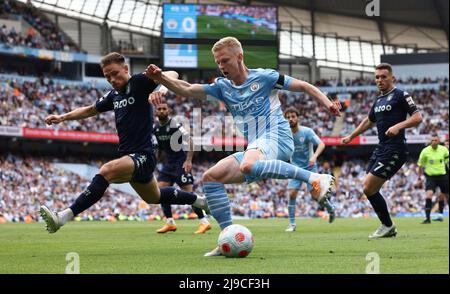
{"x": 28, "y": 182}
{"x": 26, "y": 104}
{"x": 43, "y": 33}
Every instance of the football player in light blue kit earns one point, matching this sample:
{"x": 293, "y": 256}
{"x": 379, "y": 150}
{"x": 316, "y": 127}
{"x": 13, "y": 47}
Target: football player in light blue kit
{"x": 251, "y": 97}
{"x": 304, "y": 157}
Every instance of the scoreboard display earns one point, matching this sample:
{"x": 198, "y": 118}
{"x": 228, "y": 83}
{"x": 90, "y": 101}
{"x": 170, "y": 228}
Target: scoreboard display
{"x": 189, "y": 32}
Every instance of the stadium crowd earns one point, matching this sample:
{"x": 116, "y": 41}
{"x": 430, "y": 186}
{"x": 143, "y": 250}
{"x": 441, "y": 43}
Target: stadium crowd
{"x": 26, "y": 104}
{"x": 27, "y": 182}
{"x": 369, "y": 81}
{"x": 43, "y": 33}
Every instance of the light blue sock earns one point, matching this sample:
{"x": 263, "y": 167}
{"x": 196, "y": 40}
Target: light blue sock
{"x": 218, "y": 203}
{"x": 278, "y": 169}
{"x": 291, "y": 210}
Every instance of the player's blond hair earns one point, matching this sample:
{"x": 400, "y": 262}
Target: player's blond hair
{"x": 228, "y": 42}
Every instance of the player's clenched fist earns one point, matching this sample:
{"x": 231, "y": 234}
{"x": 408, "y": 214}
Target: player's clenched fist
{"x": 334, "y": 109}
{"x": 338, "y": 104}
{"x": 392, "y": 131}
{"x": 53, "y": 119}
{"x": 346, "y": 140}
{"x": 153, "y": 72}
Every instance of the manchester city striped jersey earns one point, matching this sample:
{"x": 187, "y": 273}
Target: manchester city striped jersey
{"x": 254, "y": 105}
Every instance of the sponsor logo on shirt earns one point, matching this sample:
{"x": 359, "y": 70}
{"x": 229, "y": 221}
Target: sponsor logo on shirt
{"x": 124, "y": 102}
{"x": 383, "y": 108}
{"x": 247, "y": 106}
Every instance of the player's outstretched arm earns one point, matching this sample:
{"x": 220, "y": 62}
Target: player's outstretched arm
{"x": 79, "y": 113}
{"x": 171, "y": 73}
{"x": 178, "y": 86}
{"x": 302, "y": 86}
{"x": 363, "y": 126}
{"x": 187, "y": 165}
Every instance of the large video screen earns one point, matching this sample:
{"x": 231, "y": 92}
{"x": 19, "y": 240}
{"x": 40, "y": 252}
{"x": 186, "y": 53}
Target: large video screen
{"x": 189, "y": 21}
{"x": 200, "y": 56}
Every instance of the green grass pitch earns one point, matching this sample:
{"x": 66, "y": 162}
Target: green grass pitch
{"x": 316, "y": 247}
{"x": 210, "y": 27}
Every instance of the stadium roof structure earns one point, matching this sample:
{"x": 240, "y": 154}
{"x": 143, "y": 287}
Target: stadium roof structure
{"x": 427, "y": 13}
{"x": 146, "y": 14}
{"x": 135, "y": 15}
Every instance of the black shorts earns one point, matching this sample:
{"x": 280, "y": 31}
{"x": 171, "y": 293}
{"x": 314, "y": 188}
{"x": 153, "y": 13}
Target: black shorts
{"x": 387, "y": 160}
{"x": 175, "y": 174}
{"x": 432, "y": 182}
{"x": 144, "y": 165}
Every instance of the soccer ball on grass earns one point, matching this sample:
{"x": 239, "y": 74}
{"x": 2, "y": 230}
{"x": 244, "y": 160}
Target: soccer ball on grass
{"x": 235, "y": 241}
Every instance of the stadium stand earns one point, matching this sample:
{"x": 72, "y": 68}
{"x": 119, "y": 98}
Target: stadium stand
{"x": 31, "y": 180}
{"x": 28, "y": 181}
{"x": 41, "y": 32}
{"x": 26, "y": 104}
